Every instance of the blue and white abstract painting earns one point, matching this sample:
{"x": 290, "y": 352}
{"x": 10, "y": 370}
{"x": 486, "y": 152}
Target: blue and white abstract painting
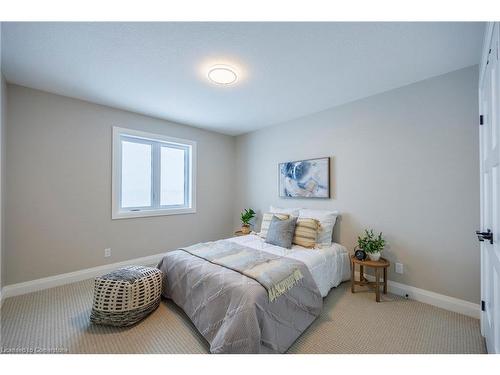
{"x": 305, "y": 178}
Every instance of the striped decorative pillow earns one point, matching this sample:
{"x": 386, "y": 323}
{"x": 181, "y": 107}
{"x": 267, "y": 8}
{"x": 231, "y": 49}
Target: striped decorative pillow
{"x": 306, "y": 232}
{"x": 266, "y": 221}
{"x": 326, "y": 220}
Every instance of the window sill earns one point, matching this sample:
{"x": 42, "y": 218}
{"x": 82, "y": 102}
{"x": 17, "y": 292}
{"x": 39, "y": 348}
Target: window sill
{"x": 149, "y": 213}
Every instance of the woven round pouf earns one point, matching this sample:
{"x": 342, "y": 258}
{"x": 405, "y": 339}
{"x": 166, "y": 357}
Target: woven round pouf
{"x": 126, "y": 296}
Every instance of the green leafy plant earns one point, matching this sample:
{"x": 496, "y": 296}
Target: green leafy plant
{"x": 371, "y": 243}
{"x": 247, "y": 215}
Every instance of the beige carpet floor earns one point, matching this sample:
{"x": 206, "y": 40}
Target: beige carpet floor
{"x": 56, "y": 321}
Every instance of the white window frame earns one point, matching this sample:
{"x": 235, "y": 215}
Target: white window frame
{"x": 117, "y": 212}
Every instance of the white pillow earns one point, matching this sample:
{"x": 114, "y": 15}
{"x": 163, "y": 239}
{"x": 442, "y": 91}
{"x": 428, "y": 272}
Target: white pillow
{"x": 326, "y": 219}
{"x": 286, "y": 211}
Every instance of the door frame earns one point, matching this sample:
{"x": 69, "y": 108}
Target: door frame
{"x": 487, "y": 40}
{"x": 488, "y": 35}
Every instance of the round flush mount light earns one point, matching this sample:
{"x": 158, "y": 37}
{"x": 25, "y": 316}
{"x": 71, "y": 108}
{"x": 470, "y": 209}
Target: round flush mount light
{"x": 222, "y": 75}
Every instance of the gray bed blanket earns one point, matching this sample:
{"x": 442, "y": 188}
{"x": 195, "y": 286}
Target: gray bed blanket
{"x": 237, "y": 297}
{"x": 275, "y": 273}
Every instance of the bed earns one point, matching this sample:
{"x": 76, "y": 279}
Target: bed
{"x": 329, "y": 265}
{"x": 233, "y": 312}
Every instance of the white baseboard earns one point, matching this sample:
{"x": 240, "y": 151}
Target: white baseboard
{"x": 72, "y": 277}
{"x": 439, "y": 300}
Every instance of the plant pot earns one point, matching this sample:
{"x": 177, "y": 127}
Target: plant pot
{"x": 245, "y": 229}
{"x": 374, "y": 256}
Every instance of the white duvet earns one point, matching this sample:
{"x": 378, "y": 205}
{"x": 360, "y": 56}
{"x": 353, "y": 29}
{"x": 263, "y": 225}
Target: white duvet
{"x": 329, "y": 266}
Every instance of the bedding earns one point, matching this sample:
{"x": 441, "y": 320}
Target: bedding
{"x": 286, "y": 211}
{"x": 329, "y": 266}
{"x": 275, "y": 273}
{"x": 306, "y": 233}
{"x": 233, "y": 311}
{"x": 281, "y": 232}
{"x": 266, "y": 221}
{"x": 327, "y": 221}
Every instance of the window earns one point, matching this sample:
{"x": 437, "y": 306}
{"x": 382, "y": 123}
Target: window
{"x": 152, "y": 174}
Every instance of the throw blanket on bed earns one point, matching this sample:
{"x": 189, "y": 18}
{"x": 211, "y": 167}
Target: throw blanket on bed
{"x": 276, "y": 274}
{"x": 233, "y": 311}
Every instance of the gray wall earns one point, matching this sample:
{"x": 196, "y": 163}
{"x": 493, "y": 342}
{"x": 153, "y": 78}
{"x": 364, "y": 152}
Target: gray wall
{"x": 3, "y": 107}
{"x": 58, "y": 191}
{"x": 404, "y": 162}
{"x": 3, "y": 111}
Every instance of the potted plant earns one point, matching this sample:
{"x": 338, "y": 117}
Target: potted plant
{"x": 371, "y": 244}
{"x": 246, "y": 216}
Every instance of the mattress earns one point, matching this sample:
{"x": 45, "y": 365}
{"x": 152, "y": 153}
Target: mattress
{"x": 329, "y": 266}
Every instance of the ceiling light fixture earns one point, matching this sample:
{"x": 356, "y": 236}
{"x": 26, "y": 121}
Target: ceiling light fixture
{"x": 222, "y": 75}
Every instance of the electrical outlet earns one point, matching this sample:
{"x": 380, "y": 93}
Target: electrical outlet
{"x": 399, "y": 267}
{"x": 107, "y": 252}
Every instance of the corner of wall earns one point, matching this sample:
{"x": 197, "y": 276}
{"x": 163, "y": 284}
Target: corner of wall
{"x": 3, "y": 117}
{"x": 3, "y": 91}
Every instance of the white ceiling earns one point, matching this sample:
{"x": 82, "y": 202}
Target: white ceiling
{"x": 287, "y": 70}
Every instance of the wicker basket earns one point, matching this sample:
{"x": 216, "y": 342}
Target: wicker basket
{"x": 126, "y": 296}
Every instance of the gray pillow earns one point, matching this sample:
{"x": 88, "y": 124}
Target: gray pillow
{"x": 281, "y": 232}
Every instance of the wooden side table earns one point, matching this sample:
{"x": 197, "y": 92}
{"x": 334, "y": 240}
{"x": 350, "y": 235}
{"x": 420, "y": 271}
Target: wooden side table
{"x": 381, "y": 264}
{"x": 240, "y": 233}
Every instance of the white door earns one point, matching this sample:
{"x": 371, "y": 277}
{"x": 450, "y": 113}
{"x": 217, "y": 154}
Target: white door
{"x": 490, "y": 191}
